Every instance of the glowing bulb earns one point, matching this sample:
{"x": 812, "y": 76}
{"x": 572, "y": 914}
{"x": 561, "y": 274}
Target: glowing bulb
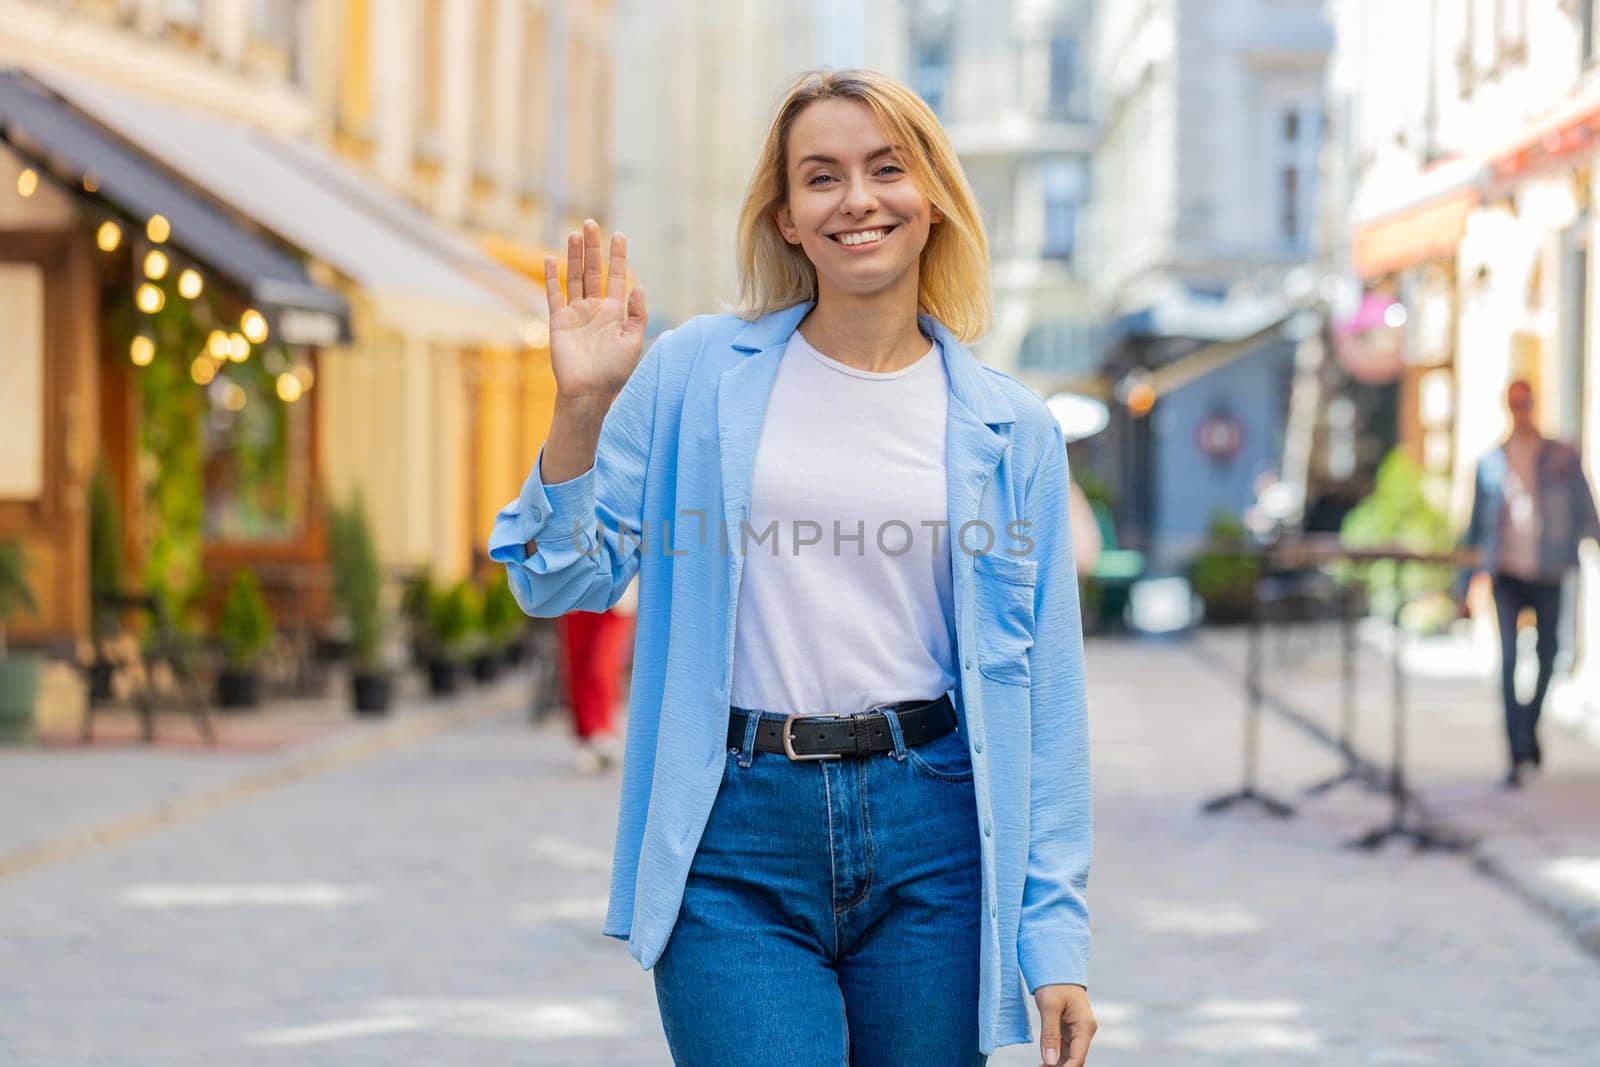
{"x": 254, "y": 325}
{"x": 202, "y": 370}
{"x": 233, "y": 397}
{"x": 217, "y": 344}
{"x": 91, "y": 182}
{"x": 238, "y": 348}
{"x": 158, "y": 229}
{"x": 289, "y": 388}
{"x": 155, "y": 265}
{"x": 190, "y": 283}
{"x": 109, "y": 236}
{"x": 142, "y": 351}
{"x": 1141, "y": 398}
{"x": 305, "y": 375}
{"x": 150, "y": 298}
{"x": 27, "y": 182}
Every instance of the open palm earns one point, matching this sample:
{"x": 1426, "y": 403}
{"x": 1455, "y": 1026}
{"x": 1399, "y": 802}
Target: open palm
{"x": 596, "y": 336}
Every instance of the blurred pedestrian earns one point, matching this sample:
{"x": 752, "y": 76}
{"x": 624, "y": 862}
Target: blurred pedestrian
{"x": 1532, "y": 506}
{"x": 594, "y": 647}
{"x": 855, "y": 808}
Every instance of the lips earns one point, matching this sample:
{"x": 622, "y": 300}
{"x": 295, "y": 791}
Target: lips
{"x": 885, "y": 231}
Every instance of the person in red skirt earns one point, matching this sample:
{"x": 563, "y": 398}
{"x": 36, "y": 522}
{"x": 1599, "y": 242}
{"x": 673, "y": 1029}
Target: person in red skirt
{"x": 594, "y": 651}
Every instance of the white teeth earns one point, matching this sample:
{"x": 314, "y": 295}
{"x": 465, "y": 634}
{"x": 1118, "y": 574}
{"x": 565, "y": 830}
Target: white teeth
{"x": 865, "y": 237}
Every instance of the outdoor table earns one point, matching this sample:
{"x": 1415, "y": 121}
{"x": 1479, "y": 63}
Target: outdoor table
{"x": 1404, "y": 821}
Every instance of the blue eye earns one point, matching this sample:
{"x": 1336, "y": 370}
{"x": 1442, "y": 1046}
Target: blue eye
{"x": 820, "y": 178}
{"x": 890, "y": 167}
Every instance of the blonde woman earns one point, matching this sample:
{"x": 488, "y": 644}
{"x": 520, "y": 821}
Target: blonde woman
{"x": 855, "y": 803}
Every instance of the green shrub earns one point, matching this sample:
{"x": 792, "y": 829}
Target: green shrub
{"x": 502, "y": 618}
{"x": 454, "y": 620}
{"x": 15, "y": 595}
{"x": 1224, "y": 575}
{"x": 1398, "y": 514}
{"x": 245, "y": 629}
{"x": 358, "y": 582}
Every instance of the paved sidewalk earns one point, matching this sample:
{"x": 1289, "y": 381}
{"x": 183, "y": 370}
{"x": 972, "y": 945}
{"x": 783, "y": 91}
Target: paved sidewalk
{"x": 84, "y": 797}
{"x": 1542, "y": 841}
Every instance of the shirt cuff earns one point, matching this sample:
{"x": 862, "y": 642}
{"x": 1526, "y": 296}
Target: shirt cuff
{"x": 556, "y": 514}
{"x": 1054, "y": 955}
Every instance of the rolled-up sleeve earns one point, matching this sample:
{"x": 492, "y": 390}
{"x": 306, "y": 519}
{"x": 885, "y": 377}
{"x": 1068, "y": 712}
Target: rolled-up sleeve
{"x": 1053, "y": 937}
{"x": 575, "y": 545}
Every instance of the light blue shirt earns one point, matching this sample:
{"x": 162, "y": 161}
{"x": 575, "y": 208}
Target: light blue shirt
{"x": 665, "y": 499}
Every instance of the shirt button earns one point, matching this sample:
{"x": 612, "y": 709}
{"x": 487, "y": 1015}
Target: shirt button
{"x": 977, "y": 746}
{"x": 994, "y": 912}
{"x": 536, "y": 515}
{"x": 968, "y": 663}
{"x": 988, "y": 829}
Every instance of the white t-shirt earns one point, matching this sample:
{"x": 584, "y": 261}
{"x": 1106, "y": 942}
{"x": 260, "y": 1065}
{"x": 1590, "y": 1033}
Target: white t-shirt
{"x": 1519, "y": 529}
{"x": 836, "y": 626}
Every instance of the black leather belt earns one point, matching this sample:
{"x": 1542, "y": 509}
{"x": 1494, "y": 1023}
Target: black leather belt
{"x": 818, "y": 737}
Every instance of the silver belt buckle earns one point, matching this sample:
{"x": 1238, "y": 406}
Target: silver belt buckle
{"x": 788, "y": 745}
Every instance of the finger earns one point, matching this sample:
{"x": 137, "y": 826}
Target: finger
{"x": 636, "y": 311}
{"x": 1050, "y": 1040}
{"x": 574, "y": 266}
{"x": 619, "y": 267}
{"x": 552, "y": 285}
{"x": 591, "y": 259}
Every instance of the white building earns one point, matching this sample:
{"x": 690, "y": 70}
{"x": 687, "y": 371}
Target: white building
{"x": 1468, "y": 134}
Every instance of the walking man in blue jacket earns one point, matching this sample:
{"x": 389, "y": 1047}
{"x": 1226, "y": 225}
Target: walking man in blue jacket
{"x": 1532, "y": 506}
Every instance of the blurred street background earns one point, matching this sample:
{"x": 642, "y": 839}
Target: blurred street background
{"x": 285, "y": 775}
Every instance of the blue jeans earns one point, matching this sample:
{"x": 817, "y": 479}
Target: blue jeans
{"x": 831, "y": 915}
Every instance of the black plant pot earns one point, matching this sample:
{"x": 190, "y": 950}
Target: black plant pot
{"x": 443, "y": 676}
{"x": 485, "y": 667}
{"x": 372, "y": 693}
{"x": 238, "y": 689}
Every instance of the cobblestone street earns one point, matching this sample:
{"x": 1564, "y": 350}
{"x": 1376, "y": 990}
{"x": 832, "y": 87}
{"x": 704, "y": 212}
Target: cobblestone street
{"x": 439, "y": 903}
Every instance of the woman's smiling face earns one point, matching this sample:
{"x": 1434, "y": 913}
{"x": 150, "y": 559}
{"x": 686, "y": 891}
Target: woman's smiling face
{"x": 853, "y": 207}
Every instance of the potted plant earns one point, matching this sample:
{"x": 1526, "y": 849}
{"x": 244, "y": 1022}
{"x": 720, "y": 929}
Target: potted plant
{"x": 1224, "y": 575}
{"x": 502, "y": 619}
{"x": 19, "y": 673}
{"x": 449, "y": 636}
{"x": 417, "y": 595}
{"x": 357, "y": 589}
{"x": 245, "y": 632}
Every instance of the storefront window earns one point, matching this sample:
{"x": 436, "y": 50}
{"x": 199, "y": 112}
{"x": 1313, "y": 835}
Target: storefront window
{"x": 256, "y": 451}
{"x": 22, "y": 381}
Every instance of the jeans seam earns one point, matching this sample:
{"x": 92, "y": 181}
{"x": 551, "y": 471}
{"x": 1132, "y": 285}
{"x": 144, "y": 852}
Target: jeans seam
{"x": 833, "y": 864}
{"x": 866, "y": 843}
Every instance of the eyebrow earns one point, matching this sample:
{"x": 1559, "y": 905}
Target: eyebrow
{"x": 874, "y": 154}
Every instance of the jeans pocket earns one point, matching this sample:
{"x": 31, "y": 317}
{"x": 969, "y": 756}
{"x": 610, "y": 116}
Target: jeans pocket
{"x": 944, "y": 760}
{"x": 1003, "y": 591}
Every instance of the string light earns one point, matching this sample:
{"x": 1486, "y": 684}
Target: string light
{"x": 306, "y": 377}
{"x": 150, "y": 298}
{"x": 289, "y": 388}
{"x": 109, "y": 236}
{"x": 203, "y": 369}
{"x": 142, "y": 351}
{"x": 190, "y": 283}
{"x": 233, "y": 396}
{"x": 91, "y": 182}
{"x": 158, "y": 229}
{"x": 238, "y": 348}
{"x": 217, "y": 344}
{"x": 254, "y": 325}
{"x": 155, "y": 264}
{"x": 27, "y": 182}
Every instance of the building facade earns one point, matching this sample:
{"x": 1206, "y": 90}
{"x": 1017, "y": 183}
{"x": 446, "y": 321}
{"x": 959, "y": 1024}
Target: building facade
{"x": 1466, "y": 149}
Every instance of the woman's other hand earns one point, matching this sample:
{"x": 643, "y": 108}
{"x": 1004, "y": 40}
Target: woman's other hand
{"x": 1066, "y": 1025}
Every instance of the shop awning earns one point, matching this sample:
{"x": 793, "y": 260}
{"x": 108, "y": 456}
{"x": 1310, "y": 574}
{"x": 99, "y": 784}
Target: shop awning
{"x": 1570, "y": 130}
{"x": 60, "y": 140}
{"x": 417, "y": 275}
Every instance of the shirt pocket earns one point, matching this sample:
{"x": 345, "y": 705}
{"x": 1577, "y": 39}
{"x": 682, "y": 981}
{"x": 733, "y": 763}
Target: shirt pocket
{"x": 1003, "y": 591}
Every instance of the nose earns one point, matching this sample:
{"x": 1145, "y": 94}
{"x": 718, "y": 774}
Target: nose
{"x": 858, "y": 198}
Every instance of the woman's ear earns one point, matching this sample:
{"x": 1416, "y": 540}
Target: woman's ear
{"x": 785, "y": 223}
{"x": 934, "y": 215}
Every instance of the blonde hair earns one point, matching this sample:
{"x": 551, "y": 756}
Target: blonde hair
{"x": 953, "y": 272}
